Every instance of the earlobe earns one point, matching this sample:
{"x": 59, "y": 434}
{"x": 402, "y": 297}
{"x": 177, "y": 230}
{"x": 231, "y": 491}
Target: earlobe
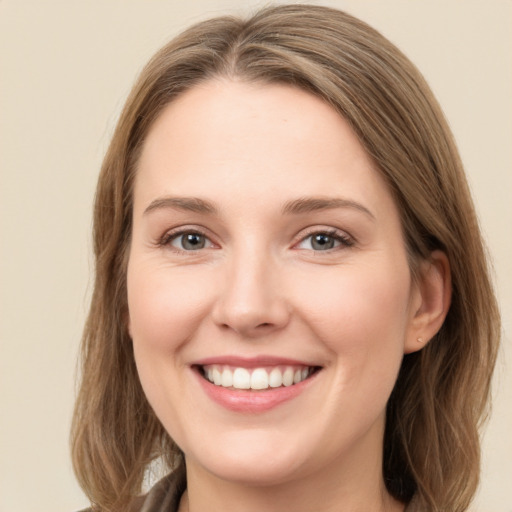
{"x": 434, "y": 290}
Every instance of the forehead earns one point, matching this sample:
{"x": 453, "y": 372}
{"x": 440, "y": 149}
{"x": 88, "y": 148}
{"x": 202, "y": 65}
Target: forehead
{"x": 225, "y": 138}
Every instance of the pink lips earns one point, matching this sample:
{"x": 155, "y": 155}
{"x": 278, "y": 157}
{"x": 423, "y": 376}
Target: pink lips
{"x": 250, "y": 401}
{"x": 250, "y": 362}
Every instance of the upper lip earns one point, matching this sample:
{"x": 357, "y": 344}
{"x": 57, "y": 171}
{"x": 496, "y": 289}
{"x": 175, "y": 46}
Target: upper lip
{"x": 251, "y": 362}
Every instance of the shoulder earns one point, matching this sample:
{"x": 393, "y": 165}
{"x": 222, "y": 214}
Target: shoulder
{"x": 164, "y": 496}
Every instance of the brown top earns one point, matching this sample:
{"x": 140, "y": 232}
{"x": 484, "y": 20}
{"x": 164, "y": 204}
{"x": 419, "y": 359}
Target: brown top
{"x": 166, "y": 494}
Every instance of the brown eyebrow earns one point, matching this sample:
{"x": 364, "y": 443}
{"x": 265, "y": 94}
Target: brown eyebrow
{"x": 191, "y": 204}
{"x": 310, "y": 204}
{"x": 297, "y": 206}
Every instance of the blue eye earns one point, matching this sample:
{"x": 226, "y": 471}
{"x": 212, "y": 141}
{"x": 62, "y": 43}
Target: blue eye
{"x": 324, "y": 241}
{"x": 189, "y": 241}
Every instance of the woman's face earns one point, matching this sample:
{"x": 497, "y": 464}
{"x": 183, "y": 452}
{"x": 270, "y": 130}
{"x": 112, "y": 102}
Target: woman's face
{"x": 266, "y": 250}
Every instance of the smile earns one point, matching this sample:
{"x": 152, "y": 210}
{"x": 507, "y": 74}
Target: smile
{"x": 259, "y": 379}
{"x": 253, "y": 385}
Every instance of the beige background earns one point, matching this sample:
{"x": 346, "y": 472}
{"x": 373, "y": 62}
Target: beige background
{"x": 65, "y": 69}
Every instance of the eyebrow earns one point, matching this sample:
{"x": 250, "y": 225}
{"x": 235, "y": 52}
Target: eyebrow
{"x": 311, "y": 204}
{"x": 191, "y": 204}
{"x": 295, "y": 207}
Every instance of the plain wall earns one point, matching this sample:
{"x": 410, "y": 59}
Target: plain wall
{"x": 65, "y": 70}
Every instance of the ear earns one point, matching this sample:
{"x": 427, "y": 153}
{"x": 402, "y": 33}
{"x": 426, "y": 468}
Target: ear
{"x": 430, "y": 301}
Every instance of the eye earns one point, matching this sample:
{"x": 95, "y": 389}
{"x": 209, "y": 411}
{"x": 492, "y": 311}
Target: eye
{"x": 188, "y": 241}
{"x": 324, "y": 241}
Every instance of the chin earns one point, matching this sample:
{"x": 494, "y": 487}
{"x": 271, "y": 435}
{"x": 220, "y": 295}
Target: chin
{"x": 253, "y": 462}
{"x": 259, "y": 473}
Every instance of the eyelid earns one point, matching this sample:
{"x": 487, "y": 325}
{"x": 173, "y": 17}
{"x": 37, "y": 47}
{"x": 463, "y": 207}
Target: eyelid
{"x": 171, "y": 234}
{"x": 341, "y": 236}
{"x": 346, "y": 240}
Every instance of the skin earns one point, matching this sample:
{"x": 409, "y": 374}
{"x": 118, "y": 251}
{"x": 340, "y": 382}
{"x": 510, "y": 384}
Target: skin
{"x": 259, "y": 287}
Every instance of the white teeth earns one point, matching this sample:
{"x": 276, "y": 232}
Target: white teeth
{"x": 241, "y": 379}
{"x": 227, "y": 378}
{"x": 288, "y": 377}
{"x": 275, "y": 378}
{"x": 258, "y": 378}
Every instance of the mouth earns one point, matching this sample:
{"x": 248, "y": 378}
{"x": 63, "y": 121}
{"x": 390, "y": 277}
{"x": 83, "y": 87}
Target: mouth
{"x": 257, "y": 379}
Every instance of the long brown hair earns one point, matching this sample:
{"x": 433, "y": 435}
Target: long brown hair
{"x": 431, "y": 446}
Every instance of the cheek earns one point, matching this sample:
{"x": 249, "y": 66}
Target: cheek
{"x": 164, "y": 306}
{"x": 360, "y": 313}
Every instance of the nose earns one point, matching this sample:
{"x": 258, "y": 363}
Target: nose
{"x": 251, "y": 302}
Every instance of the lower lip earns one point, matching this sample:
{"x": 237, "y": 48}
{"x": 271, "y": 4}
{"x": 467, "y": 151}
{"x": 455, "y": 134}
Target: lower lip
{"x": 253, "y": 401}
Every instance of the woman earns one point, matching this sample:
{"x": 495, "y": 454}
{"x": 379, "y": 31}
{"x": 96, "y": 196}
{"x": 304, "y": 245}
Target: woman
{"x": 292, "y": 305}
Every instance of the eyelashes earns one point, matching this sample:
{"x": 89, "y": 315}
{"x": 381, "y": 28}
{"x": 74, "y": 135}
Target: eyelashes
{"x": 187, "y": 241}
{"x": 324, "y": 240}
{"x": 193, "y": 240}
